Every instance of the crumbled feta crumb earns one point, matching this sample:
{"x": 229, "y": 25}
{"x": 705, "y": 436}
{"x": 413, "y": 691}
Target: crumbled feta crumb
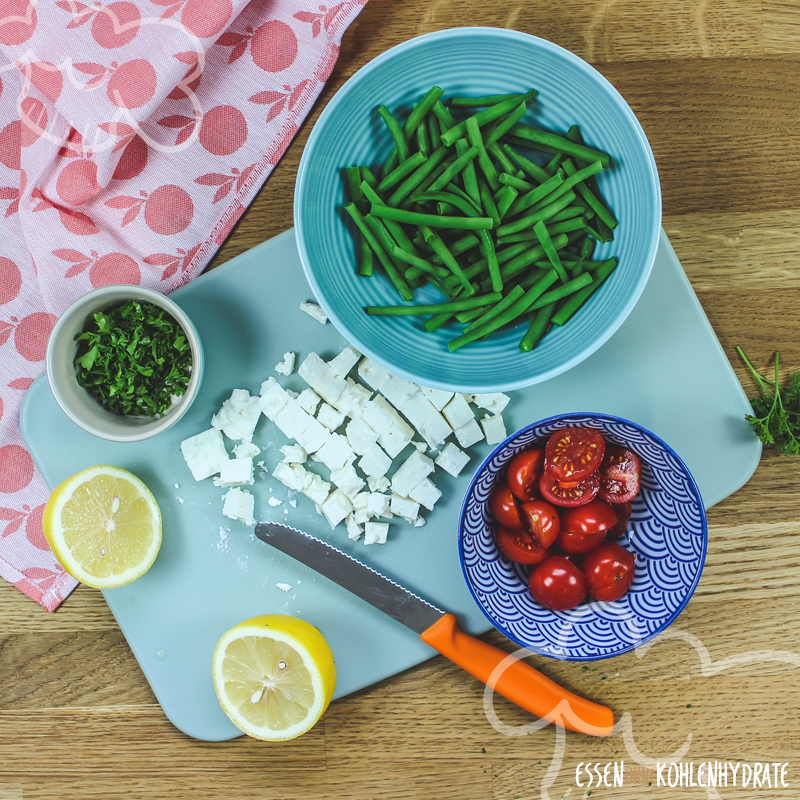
{"x": 313, "y": 310}
{"x": 494, "y": 429}
{"x": 354, "y": 530}
{"x": 376, "y": 532}
{"x": 286, "y": 367}
{"x": 284, "y": 587}
{"x": 274, "y": 502}
{"x": 294, "y": 454}
{"x": 377, "y": 483}
{"x": 293, "y": 503}
{"x": 246, "y": 450}
{"x": 316, "y": 489}
{"x": 239, "y": 504}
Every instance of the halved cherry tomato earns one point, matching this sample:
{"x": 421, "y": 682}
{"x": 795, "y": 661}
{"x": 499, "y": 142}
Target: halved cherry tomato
{"x": 558, "y": 584}
{"x": 524, "y": 472}
{"x": 594, "y": 517}
{"x": 572, "y": 542}
{"x": 542, "y": 520}
{"x": 609, "y": 571}
{"x": 519, "y": 546}
{"x": 623, "y": 512}
{"x": 619, "y": 475}
{"x": 568, "y": 494}
{"x": 573, "y": 454}
{"x": 505, "y": 508}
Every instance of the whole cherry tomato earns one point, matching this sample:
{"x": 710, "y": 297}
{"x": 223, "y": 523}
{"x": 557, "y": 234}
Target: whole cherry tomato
{"x": 518, "y": 545}
{"x": 609, "y": 571}
{"x": 620, "y": 475}
{"x": 568, "y": 494}
{"x": 623, "y": 512}
{"x": 573, "y": 454}
{"x": 584, "y": 527}
{"x": 542, "y": 520}
{"x": 575, "y": 558}
{"x": 524, "y": 472}
{"x": 558, "y": 584}
{"x": 504, "y": 507}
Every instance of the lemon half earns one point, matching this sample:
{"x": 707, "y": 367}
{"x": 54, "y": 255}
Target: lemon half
{"x": 274, "y": 676}
{"x": 104, "y": 526}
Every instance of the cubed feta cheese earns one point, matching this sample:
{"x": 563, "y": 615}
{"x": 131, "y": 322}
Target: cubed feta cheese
{"x": 238, "y": 416}
{"x": 416, "y": 408}
{"x": 335, "y": 453}
{"x": 313, "y": 435}
{"x": 360, "y": 512}
{"x": 286, "y": 367}
{"x": 344, "y": 362}
{"x": 373, "y": 374}
{"x": 204, "y": 454}
{"x": 353, "y": 399}
{"x": 494, "y": 429}
{"x": 316, "y": 489}
{"x": 378, "y": 483}
{"x": 308, "y": 400}
{"x": 235, "y": 472}
{"x": 457, "y": 412}
{"x": 312, "y": 369}
{"x": 493, "y": 402}
{"x": 451, "y": 459}
{"x": 246, "y": 450}
{"x": 398, "y": 434}
{"x": 336, "y": 507}
{"x": 330, "y": 417}
{"x": 294, "y": 476}
{"x": 239, "y": 504}
{"x": 398, "y": 390}
{"x": 378, "y": 504}
{"x": 291, "y": 419}
{"x": 347, "y": 480}
{"x": 273, "y": 398}
{"x": 376, "y": 532}
{"x": 405, "y": 508}
{"x": 330, "y": 387}
{"x": 469, "y": 434}
{"x": 360, "y": 436}
{"x": 411, "y": 473}
{"x": 354, "y": 530}
{"x": 426, "y": 494}
{"x": 438, "y": 397}
{"x": 435, "y": 430}
{"x": 315, "y": 311}
{"x": 294, "y": 454}
{"x": 375, "y": 463}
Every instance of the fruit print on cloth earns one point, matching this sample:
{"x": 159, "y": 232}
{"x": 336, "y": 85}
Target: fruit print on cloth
{"x": 130, "y": 163}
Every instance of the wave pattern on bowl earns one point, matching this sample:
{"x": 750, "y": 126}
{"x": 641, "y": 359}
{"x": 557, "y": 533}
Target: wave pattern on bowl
{"x": 667, "y": 531}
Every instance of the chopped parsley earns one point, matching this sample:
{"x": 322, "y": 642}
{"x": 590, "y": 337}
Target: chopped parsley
{"x": 134, "y": 358}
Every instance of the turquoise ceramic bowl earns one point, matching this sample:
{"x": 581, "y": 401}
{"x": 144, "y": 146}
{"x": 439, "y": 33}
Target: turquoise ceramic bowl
{"x": 472, "y": 61}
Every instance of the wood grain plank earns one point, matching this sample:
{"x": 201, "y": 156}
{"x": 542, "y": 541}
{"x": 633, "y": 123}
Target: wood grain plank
{"x": 86, "y": 610}
{"x": 781, "y": 26}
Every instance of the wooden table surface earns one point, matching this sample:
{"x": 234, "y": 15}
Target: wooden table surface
{"x": 714, "y": 84}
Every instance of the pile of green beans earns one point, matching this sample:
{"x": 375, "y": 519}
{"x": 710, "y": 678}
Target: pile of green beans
{"x": 461, "y": 205}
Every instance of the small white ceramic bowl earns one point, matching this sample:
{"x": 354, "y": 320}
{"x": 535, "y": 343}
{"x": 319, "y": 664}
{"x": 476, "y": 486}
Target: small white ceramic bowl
{"x": 77, "y": 403}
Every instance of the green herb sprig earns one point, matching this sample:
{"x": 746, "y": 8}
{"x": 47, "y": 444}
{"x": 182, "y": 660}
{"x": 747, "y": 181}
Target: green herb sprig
{"x": 134, "y": 358}
{"x": 776, "y": 411}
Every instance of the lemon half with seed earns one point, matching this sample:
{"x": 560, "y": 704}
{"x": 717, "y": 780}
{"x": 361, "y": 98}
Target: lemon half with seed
{"x": 104, "y": 526}
{"x": 274, "y": 676}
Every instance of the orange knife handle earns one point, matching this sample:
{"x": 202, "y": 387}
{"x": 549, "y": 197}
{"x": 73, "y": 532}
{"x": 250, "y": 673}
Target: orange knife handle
{"x": 519, "y": 682}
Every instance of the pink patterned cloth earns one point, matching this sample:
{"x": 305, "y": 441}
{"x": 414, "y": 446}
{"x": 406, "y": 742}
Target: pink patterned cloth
{"x": 133, "y": 135}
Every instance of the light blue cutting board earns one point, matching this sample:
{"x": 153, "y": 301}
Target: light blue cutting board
{"x": 664, "y": 368}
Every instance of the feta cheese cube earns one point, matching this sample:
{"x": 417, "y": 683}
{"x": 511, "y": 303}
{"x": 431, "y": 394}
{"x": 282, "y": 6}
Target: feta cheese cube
{"x": 336, "y": 507}
{"x": 312, "y": 369}
{"x": 315, "y": 311}
{"x": 451, "y": 459}
{"x": 347, "y": 480}
{"x": 375, "y": 463}
{"x": 238, "y": 416}
{"x": 411, "y": 473}
{"x": 235, "y": 472}
{"x": 378, "y": 504}
{"x": 376, "y": 532}
{"x": 426, "y": 494}
{"x": 393, "y": 433}
{"x": 435, "y": 430}
{"x": 360, "y": 436}
{"x": 354, "y": 530}
{"x": 294, "y": 454}
{"x": 345, "y": 361}
{"x": 316, "y": 489}
{"x": 353, "y": 398}
{"x": 398, "y": 390}
{"x": 494, "y": 429}
{"x": 438, "y": 397}
{"x": 416, "y": 408}
{"x": 204, "y": 453}
{"x": 377, "y": 414}
{"x": 239, "y": 504}
{"x": 330, "y": 387}
{"x": 493, "y": 402}
{"x": 308, "y": 400}
{"x": 246, "y": 450}
{"x": 294, "y": 476}
{"x": 330, "y": 417}
{"x": 286, "y": 367}
{"x": 373, "y": 374}
{"x": 469, "y": 434}
{"x": 457, "y": 412}
{"x": 291, "y": 419}
{"x": 360, "y": 512}
{"x": 405, "y": 508}
{"x": 313, "y": 436}
{"x": 273, "y": 398}
{"x": 335, "y": 453}
{"x": 378, "y": 483}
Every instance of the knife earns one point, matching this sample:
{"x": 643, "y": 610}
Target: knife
{"x": 520, "y": 683}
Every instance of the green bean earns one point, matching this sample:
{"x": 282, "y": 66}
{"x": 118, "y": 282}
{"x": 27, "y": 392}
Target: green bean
{"x": 387, "y": 242}
{"x": 527, "y": 166}
{"x": 454, "y": 169}
{"x": 529, "y": 256}
{"x": 423, "y": 140}
{"x": 505, "y": 199}
{"x": 432, "y": 220}
{"x": 366, "y": 257}
{"x": 443, "y": 115}
{"x": 447, "y": 197}
{"x": 517, "y": 141}
{"x": 503, "y": 256}
{"x": 554, "y": 163}
{"x": 436, "y": 321}
{"x": 480, "y": 102}
{"x": 368, "y": 177}
{"x": 502, "y": 158}
{"x": 497, "y": 309}
{"x": 465, "y": 317}
{"x": 429, "y": 99}
{"x": 468, "y": 174}
{"x": 434, "y": 308}
{"x": 426, "y": 182}
{"x": 395, "y": 277}
{"x": 400, "y": 143}
{"x": 451, "y": 187}
{"x": 540, "y": 229}
{"x": 433, "y": 131}
{"x": 441, "y": 250}
{"x": 569, "y": 212}
{"x": 604, "y": 231}
{"x": 510, "y": 314}
{"x": 576, "y": 224}
{"x": 406, "y": 256}
{"x": 572, "y": 181}
{"x": 416, "y": 177}
{"x": 476, "y": 140}
{"x": 539, "y": 320}
{"x": 543, "y": 214}
{"x": 487, "y": 201}
{"x": 563, "y": 291}
{"x": 487, "y": 115}
{"x": 353, "y": 176}
{"x": 599, "y": 235}
{"x": 517, "y": 183}
{"x": 397, "y": 174}
{"x": 487, "y": 248}
{"x": 394, "y": 228}
{"x": 560, "y": 143}
{"x": 503, "y": 126}
{"x": 540, "y": 193}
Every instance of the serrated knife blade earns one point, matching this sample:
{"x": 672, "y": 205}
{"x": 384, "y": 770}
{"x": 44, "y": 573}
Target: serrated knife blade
{"x": 514, "y": 679}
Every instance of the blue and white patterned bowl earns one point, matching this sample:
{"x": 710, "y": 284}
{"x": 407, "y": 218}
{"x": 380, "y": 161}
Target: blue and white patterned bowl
{"x": 667, "y": 532}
